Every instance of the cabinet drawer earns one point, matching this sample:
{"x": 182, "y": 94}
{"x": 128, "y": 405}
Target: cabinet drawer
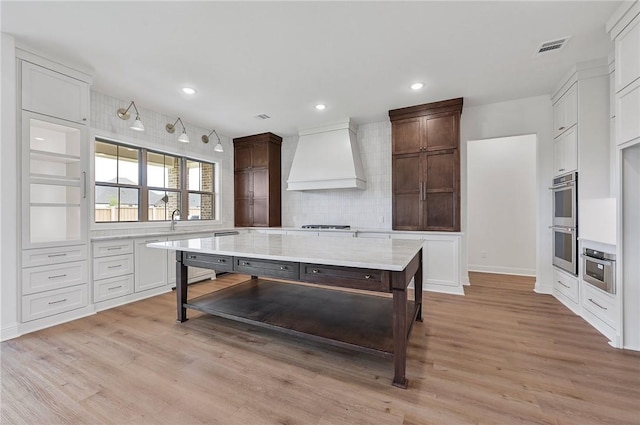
{"x": 108, "y": 248}
{"x": 45, "y": 278}
{"x": 44, "y": 256}
{"x": 600, "y": 304}
{"x": 566, "y": 285}
{"x": 114, "y": 287}
{"x": 117, "y": 265}
{"x": 45, "y": 304}
{"x": 267, "y": 268}
{"x": 350, "y": 277}
{"x": 209, "y": 261}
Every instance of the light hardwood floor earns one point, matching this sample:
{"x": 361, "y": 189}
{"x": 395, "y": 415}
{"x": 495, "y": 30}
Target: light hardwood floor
{"x": 499, "y": 355}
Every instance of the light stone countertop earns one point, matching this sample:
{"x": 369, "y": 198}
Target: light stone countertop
{"x": 181, "y": 232}
{"x": 382, "y": 254}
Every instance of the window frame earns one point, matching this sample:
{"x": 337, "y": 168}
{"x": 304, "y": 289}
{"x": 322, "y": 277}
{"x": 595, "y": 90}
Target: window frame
{"x": 143, "y": 188}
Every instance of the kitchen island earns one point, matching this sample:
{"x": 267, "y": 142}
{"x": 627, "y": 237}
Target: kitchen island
{"x": 360, "y": 321}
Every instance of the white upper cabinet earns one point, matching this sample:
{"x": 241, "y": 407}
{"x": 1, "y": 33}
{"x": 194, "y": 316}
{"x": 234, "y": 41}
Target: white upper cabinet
{"x": 565, "y": 111}
{"x": 628, "y": 113}
{"x": 628, "y": 55}
{"x": 565, "y": 153}
{"x": 54, "y": 94}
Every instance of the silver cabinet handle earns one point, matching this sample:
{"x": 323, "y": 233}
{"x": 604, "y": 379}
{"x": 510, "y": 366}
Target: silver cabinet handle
{"x": 114, "y": 267}
{"x": 115, "y": 287}
{"x": 315, "y": 271}
{"x": 367, "y": 276}
{"x": 221, "y": 260}
{"x": 593, "y": 302}
{"x": 152, "y": 241}
{"x": 283, "y": 267}
{"x": 561, "y": 128}
{"x": 244, "y": 263}
{"x": 561, "y": 169}
{"x": 114, "y": 248}
{"x": 56, "y": 255}
{"x": 561, "y": 283}
{"x": 57, "y": 276}
{"x": 57, "y": 302}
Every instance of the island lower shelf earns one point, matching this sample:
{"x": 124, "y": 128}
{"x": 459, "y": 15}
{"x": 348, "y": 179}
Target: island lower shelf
{"x": 351, "y": 320}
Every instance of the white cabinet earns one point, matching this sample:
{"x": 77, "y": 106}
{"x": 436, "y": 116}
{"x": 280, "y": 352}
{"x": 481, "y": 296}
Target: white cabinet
{"x": 54, "y": 94}
{"x": 54, "y": 182}
{"x": 150, "y": 266}
{"x": 565, "y": 111}
{"x": 565, "y": 153}
{"x": 628, "y": 113}
{"x": 113, "y": 267}
{"x": 628, "y": 55}
{"x": 53, "y": 103}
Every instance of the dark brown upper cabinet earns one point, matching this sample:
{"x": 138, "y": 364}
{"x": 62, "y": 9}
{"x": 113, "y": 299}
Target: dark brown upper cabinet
{"x": 426, "y": 166}
{"x": 257, "y": 180}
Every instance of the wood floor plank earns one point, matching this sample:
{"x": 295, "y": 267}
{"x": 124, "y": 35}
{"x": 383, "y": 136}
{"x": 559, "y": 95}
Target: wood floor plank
{"x": 499, "y": 355}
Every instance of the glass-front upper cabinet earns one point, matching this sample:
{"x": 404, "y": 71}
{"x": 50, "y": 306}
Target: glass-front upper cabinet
{"x": 54, "y": 189}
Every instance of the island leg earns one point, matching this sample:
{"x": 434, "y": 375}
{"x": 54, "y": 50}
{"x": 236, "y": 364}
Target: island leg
{"x": 181, "y": 287}
{"x": 417, "y": 283}
{"x": 400, "y": 337}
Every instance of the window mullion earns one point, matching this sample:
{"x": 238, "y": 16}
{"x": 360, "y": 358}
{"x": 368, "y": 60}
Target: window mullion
{"x": 144, "y": 190}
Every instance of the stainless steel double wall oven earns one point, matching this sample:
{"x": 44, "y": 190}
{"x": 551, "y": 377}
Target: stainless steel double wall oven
{"x": 565, "y": 222}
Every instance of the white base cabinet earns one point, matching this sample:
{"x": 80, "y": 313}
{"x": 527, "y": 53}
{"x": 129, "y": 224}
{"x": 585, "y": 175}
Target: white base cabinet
{"x": 112, "y": 269}
{"x": 566, "y": 288}
{"x": 151, "y": 265}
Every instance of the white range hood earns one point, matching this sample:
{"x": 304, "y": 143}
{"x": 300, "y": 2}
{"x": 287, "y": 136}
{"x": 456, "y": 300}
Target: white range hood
{"x": 327, "y": 157}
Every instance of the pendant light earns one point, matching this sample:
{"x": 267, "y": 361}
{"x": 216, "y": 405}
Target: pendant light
{"x": 124, "y": 115}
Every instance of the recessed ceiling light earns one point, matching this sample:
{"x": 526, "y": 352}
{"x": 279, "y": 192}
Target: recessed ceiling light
{"x": 417, "y": 86}
{"x": 321, "y": 107}
{"x": 39, "y": 138}
{"x": 188, "y": 90}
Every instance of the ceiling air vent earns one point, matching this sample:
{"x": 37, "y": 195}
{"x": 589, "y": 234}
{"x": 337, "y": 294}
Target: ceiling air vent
{"x": 262, "y": 117}
{"x": 551, "y": 46}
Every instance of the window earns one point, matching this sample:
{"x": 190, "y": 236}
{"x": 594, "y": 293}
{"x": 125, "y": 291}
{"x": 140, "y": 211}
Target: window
{"x": 117, "y": 194}
{"x": 128, "y": 177}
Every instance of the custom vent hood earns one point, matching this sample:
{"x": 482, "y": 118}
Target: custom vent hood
{"x": 327, "y": 157}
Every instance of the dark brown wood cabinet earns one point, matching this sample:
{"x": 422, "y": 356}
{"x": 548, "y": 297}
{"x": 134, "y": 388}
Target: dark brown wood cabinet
{"x": 426, "y": 166}
{"x": 257, "y": 180}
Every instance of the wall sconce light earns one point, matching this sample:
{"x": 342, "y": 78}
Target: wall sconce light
{"x": 171, "y": 128}
{"x": 124, "y": 115}
{"x": 218, "y": 147}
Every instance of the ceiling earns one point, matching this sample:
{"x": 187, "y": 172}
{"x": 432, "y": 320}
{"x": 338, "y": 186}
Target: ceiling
{"x": 282, "y": 58}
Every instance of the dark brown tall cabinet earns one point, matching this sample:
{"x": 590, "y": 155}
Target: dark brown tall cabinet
{"x": 426, "y": 166}
{"x": 257, "y": 180}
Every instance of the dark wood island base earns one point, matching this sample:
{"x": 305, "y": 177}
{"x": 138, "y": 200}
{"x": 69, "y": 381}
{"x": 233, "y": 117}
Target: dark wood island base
{"x": 366, "y": 323}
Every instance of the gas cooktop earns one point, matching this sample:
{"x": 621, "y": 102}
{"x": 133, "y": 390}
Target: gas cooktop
{"x": 326, "y": 226}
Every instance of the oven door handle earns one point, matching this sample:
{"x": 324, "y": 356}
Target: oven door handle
{"x": 561, "y": 186}
{"x": 564, "y": 228}
{"x": 597, "y": 260}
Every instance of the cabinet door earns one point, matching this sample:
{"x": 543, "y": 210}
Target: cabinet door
{"x": 558, "y": 117}
{"x": 628, "y": 55}
{"x": 150, "y": 265}
{"x": 441, "y": 132}
{"x": 54, "y": 94}
{"x": 441, "y": 191}
{"x": 407, "y": 192}
{"x": 558, "y": 157}
{"x": 628, "y": 113}
{"x": 260, "y": 155}
{"x": 260, "y": 197}
{"x": 565, "y": 111}
{"x": 242, "y": 157}
{"x": 54, "y": 182}
{"x": 570, "y": 150}
{"x": 407, "y": 135}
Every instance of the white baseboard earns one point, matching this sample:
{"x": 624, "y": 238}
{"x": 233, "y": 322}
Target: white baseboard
{"x": 444, "y": 289}
{"x": 57, "y": 319}
{"x": 9, "y": 332}
{"x": 502, "y": 270}
{"x": 540, "y": 288}
{"x": 116, "y": 302}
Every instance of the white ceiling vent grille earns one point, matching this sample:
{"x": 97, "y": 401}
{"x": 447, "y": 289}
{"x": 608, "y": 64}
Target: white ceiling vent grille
{"x": 552, "y": 46}
{"x": 262, "y": 117}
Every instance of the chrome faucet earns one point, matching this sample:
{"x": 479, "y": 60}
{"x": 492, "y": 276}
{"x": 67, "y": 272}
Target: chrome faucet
{"x": 173, "y": 218}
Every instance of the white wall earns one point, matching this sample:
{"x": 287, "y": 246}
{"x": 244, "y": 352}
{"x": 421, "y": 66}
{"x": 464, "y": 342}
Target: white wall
{"x": 501, "y": 194}
{"x": 8, "y": 192}
{"x": 105, "y": 123}
{"x": 532, "y": 115}
{"x": 365, "y": 209}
